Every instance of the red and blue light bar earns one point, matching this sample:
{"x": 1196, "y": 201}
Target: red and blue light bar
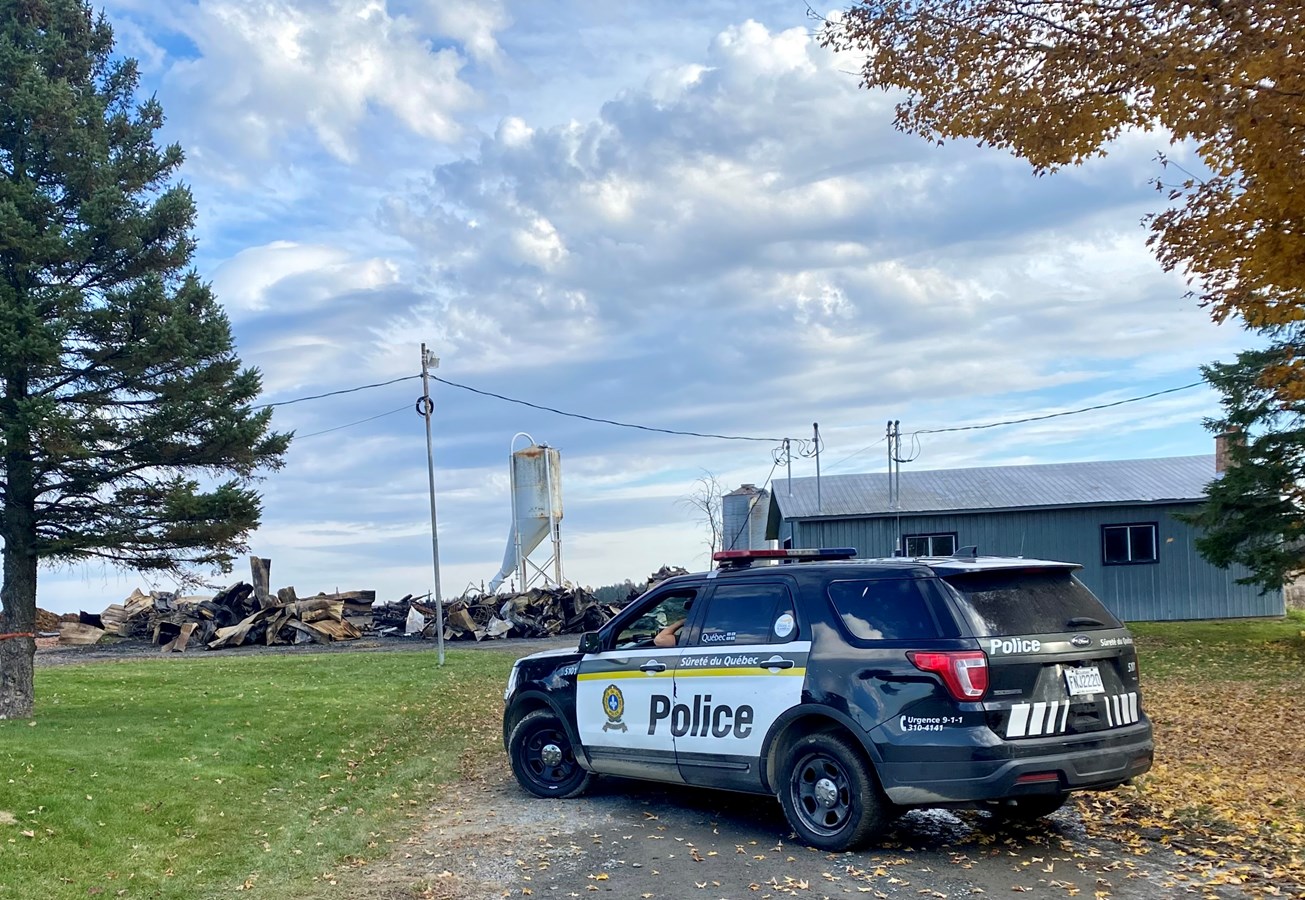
{"x": 807, "y": 554}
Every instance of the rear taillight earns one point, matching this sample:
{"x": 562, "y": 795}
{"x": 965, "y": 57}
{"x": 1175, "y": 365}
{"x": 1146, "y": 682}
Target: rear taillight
{"x": 965, "y": 672}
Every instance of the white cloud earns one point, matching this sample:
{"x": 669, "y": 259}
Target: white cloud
{"x": 296, "y": 275}
{"x": 263, "y": 76}
{"x": 689, "y": 219}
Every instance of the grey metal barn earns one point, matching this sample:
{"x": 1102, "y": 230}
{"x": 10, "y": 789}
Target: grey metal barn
{"x": 1116, "y": 518}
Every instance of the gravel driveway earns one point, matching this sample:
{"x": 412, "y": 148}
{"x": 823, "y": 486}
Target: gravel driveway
{"x": 628, "y": 839}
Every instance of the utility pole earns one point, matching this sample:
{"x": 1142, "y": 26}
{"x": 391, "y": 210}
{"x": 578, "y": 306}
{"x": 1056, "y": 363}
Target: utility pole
{"x": 895, "y": 476}
{"x": 815, "y": 442}
{"x": 425, "y": 407}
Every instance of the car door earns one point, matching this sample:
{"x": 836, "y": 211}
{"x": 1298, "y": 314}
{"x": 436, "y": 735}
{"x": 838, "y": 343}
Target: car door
{"x": 618, "y": 687}
{"x": 742, "y": 666}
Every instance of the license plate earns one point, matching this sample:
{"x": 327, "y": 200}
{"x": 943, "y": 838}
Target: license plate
{"x": 1083, "y": 681}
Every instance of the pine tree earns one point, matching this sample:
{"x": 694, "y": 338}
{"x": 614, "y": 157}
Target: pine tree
{"x": 126, "y": 427}
{"x": 1254, "y": 515}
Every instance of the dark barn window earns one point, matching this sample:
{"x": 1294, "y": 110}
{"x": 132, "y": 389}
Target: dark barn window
{"x": 929, "y": 544}
{"x": 1123, "y": 545}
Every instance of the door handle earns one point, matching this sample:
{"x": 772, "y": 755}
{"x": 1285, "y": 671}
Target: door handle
{"x": 654, "y": 666}
{"x": 777, "y": 663}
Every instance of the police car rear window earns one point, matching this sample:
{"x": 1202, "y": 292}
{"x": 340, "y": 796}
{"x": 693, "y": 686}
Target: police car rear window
{"x": 1029, "y": 602}
{"x": 889, "y": 609}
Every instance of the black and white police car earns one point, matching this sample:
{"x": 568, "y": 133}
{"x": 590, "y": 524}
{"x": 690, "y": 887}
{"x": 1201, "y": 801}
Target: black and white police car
{"x": 851, "y": 688}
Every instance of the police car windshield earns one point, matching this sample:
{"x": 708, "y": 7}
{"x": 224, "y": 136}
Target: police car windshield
{"x": 1029, "y": 602}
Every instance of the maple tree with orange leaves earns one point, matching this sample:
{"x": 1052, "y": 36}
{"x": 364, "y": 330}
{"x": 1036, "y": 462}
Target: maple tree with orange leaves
{"x": 1054, "y": 81}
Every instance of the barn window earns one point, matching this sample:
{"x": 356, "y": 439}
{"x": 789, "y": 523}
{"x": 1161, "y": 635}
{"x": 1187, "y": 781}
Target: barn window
{"x": 1123, "y": 545}
{"x": 929, "y": 544}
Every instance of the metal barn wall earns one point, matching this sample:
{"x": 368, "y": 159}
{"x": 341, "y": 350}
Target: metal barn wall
{"x": 1180, "y": 585}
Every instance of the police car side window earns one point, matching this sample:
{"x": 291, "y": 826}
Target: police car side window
{"x": 748, "y": 614}
{"x": 666, "y": 610}
{"x": 889, "y": 609}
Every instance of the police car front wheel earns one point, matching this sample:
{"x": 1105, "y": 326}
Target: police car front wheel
{"x": 543, "y": 758}
{"x": 830, "y": 796}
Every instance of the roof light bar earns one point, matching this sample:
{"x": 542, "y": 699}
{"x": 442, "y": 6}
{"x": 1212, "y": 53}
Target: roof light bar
{"x": 804, "y": 553}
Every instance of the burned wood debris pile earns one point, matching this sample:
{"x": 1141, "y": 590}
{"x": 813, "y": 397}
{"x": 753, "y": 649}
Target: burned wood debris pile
{"x": 246, "y": 613}
{"x": 536, "y": 613}
{"x": 241, "y": 614}
{"x": 233, "y": 617}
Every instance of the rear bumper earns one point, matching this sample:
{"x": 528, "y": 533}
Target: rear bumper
{"x": 1088, "y": 764}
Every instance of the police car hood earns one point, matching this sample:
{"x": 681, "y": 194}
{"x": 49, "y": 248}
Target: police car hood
{"x": 549, "y": 654}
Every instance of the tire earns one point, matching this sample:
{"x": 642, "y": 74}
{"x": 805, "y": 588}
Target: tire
{"x": 830, "y": 795}
{"x": 1026, "y": 809}
{"x": 543, "y": 759}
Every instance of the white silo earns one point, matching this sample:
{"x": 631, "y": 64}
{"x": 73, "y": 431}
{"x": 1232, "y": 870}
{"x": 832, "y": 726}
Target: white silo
{"x": 536, "y": 479}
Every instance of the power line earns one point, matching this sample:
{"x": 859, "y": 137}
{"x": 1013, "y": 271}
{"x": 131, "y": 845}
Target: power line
{"x": 406, "y": 406}
{"x": 721, "y": 437}
{"x": 857, "y": 452}
{"x": 1067, "y": 412}
{"x": 352, "y": 390}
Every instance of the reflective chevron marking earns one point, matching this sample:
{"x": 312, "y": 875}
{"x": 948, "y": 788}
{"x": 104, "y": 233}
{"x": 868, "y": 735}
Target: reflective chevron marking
{"x": 1019, "y": 719}
{"x": 1043, "y": 718}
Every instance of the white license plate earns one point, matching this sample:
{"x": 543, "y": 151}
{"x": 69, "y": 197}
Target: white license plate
{"x": 1083, "y": 681}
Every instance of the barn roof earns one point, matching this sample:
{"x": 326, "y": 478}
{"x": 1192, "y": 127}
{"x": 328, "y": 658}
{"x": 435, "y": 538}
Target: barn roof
{"x": 1109, "y": 482}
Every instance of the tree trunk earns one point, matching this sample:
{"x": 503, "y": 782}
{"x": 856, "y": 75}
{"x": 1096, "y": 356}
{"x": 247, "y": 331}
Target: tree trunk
{"x": 18, "y": 592}
{"x": 17, "y": 655}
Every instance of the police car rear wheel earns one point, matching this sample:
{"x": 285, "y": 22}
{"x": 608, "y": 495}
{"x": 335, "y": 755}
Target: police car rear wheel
{"x": 829, "y": 795}
{"x": 543, "y": 759}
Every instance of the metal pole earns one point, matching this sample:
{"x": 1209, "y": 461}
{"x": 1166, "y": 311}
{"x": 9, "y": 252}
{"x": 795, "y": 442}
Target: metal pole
{"x": 897, "y": 478}
{"x": 429, "y": 360}
{"x": 815, "y": 432}
{"x": 788, "y": 461}
{"x": 888, "y": 441}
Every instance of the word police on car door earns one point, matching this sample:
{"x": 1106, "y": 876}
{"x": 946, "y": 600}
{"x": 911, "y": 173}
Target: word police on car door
{"x": 739, "y": 664}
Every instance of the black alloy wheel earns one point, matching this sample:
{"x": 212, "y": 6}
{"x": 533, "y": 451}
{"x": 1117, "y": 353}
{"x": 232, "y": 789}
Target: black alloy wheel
{"x": 543, "y": 759}
{"x": 830, "y": 795}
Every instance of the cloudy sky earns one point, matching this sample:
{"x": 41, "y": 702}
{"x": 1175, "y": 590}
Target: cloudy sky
{"x": 684, "y": 216}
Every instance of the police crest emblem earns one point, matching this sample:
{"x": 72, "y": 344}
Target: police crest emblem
{"x": 614, "y": 707}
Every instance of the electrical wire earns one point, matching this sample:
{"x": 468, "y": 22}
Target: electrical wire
{"x": 857, "y": 452}
{"x": 406, "y": 406}
{"x": 721, "y": 437}
{"x": 1067, "y": 412}
{"x": 352, "y": 390}
{"x": 782, "y": 454}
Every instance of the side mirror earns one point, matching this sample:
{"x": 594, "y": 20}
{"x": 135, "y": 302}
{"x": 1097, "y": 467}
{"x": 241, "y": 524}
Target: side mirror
{"x": 590, "y": 642}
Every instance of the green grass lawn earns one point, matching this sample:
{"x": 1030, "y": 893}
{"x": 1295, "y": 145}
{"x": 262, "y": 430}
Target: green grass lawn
{"x": 194, "y": 778}
{"x": 1223, "y": 649}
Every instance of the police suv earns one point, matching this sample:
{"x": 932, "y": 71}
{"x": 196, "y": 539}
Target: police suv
{"x": 851, "y": 688}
